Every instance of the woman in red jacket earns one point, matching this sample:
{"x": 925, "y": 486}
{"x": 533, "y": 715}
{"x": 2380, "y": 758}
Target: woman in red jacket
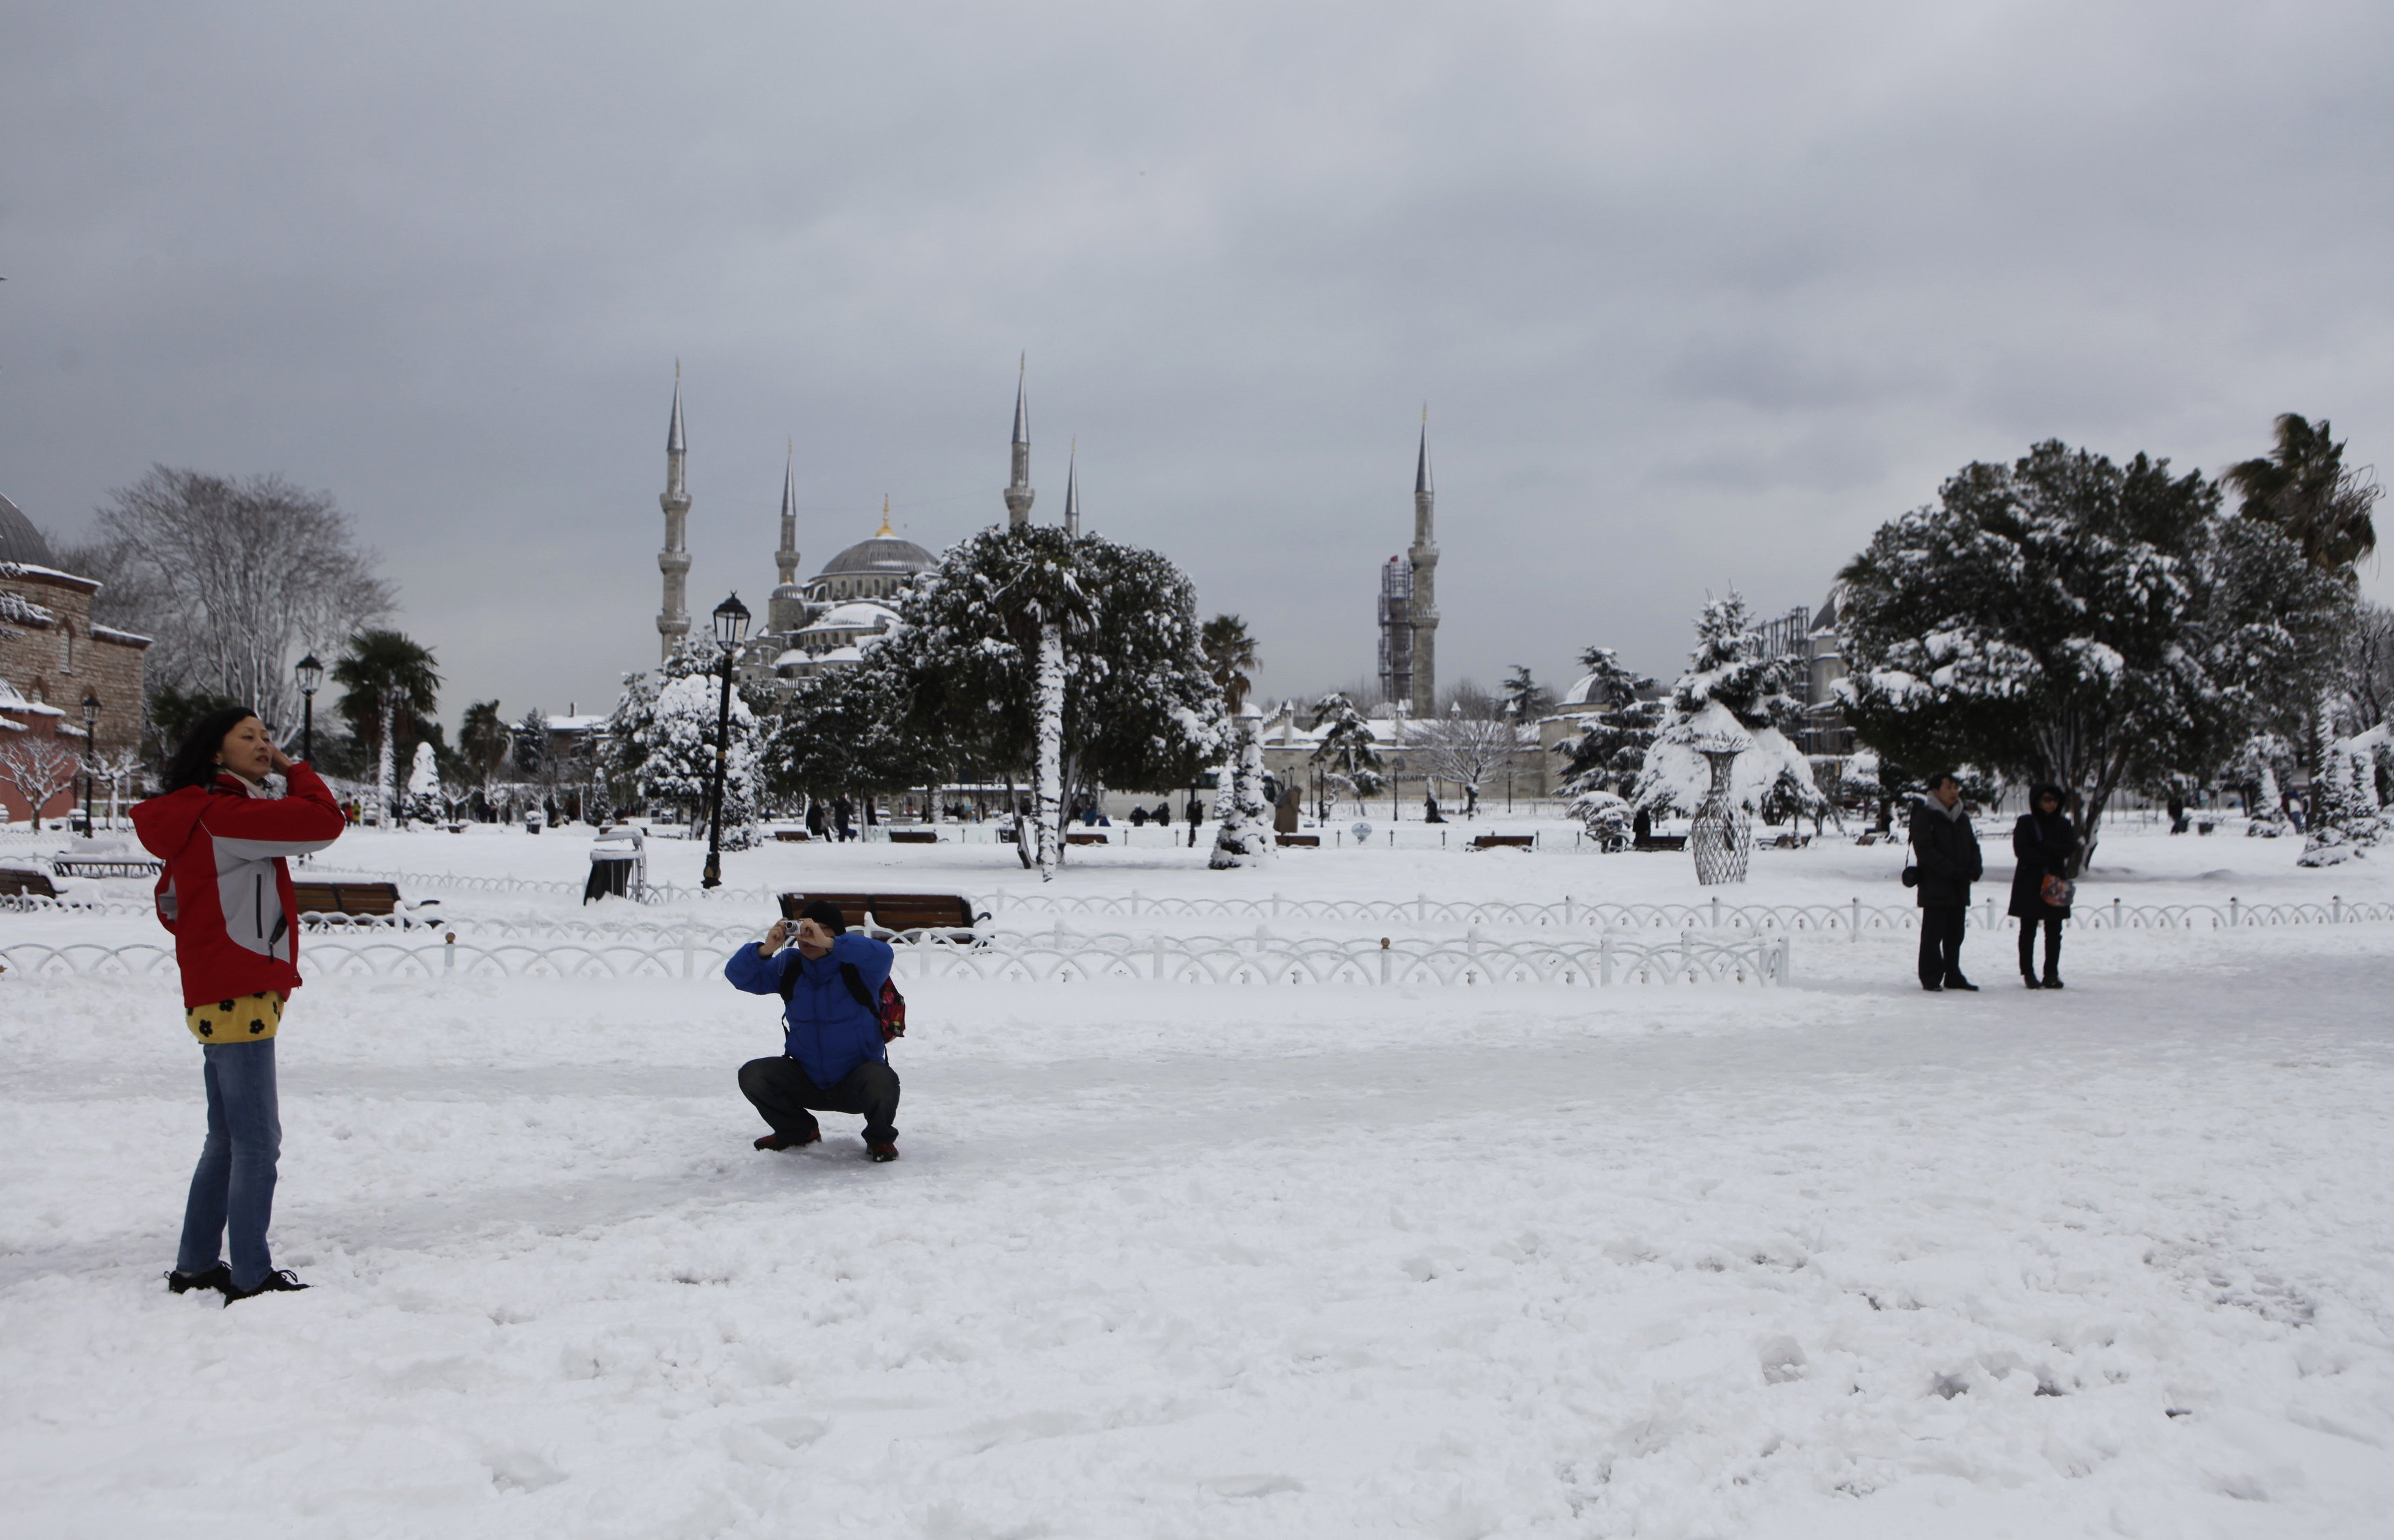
{"x": 226, "y": 895}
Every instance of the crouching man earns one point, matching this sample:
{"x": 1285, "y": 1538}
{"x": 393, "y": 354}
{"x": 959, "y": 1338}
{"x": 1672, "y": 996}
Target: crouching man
{"x": 832, "y": 1059}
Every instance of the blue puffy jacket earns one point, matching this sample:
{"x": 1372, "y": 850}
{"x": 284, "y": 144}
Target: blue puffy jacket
{"x": 824, "y": 1028}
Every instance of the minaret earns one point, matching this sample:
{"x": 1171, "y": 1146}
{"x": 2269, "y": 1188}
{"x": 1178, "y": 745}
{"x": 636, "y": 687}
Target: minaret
{"x": 673, "y": 621}
{"x": 1017, "y": 490}
{"x": 1424, "y": 557}
{"x": 786, "y": 610}
{"x": 1072, "y": 490}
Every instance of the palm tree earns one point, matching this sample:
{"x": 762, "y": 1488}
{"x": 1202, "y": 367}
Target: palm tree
{"x": 1231, "y": 655}
{"x": 384, "y": 673}
{"x": 2304, "y": 487}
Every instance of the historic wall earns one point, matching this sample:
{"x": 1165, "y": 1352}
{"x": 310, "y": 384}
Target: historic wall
{"x": 57, "y": 658}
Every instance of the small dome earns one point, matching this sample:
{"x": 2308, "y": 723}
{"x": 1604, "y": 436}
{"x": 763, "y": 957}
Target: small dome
{"x": 20, "y": 541}
{"x": 787, "y": 591}
{"x": 857, "y": 614}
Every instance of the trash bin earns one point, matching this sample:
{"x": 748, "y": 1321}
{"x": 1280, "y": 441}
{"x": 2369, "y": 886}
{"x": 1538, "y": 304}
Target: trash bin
{"x": 618, "y": 866}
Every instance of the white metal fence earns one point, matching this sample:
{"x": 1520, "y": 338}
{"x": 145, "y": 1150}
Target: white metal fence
{"x": 1853, "y": 918}
{"x": 1057, "y": 956}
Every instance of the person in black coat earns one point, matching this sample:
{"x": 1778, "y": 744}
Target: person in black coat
{"x": 2046, "y": 846}
{"x": 1946, "y": 848}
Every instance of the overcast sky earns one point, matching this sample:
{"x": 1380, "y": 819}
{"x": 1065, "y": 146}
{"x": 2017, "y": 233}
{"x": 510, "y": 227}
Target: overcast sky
{"x": 1698, "y": 295}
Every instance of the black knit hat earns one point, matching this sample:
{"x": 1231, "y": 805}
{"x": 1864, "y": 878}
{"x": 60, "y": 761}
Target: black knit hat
{"x": 825, "y": 914}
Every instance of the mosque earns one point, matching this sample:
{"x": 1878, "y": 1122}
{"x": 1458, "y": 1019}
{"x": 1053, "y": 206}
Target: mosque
{"x": 807, "y": 627}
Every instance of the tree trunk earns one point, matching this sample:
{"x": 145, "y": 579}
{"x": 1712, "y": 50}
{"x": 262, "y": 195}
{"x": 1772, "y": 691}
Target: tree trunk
{"x": 1049, "y": 774}
{"x": 383, "y": 768}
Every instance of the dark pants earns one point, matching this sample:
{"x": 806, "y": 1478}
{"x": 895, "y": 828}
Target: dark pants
{"x": 781, "y": 1090}
{"x": 234, "y": 1184}
{"x": 2052, "y": 923}
{"x": 1940, "y": 942}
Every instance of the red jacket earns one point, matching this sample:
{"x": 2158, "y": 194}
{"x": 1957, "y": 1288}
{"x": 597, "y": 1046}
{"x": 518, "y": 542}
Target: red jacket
{"x": 226, "y": 892}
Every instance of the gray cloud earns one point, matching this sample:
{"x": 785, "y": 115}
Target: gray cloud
{"x": 1698, "y": 293}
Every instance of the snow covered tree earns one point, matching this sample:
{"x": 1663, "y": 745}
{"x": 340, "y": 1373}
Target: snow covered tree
{"x": 1469, "y": 750}
{"x": 677, "y": 756}
{"x": 1138, "y": 707}
{"x": 1350, "y": 765}
{"x": 1241, "y": 833}
{"x": 1733, "y": 696}
{"x": 391, "y": 689}
{"x": 2068, "y": 620}
{"x": 424, "y": 784}
{"x": 1610, "y": 749}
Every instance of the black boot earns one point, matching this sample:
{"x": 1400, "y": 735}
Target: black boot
{"x": 2052, "y": 979}
{"x": 281, "y": 1281}
{"x": 218, "y": 1278}
{"x": 2030, "y": 980}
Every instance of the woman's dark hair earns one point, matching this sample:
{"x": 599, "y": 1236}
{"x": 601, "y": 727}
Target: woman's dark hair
{"x": 193, "y": 763}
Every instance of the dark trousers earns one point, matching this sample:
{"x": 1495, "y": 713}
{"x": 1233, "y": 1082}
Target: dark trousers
{"x": 2052, "y": 923}
{"x": 1941, "y": 941}
{"x": 779, "y": 1089}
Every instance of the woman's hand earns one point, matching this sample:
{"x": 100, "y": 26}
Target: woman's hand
{"x": 276, "y": 760}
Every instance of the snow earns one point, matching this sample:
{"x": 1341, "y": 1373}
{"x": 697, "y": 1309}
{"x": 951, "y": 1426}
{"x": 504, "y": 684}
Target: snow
{"x": 1835, "y": 1259}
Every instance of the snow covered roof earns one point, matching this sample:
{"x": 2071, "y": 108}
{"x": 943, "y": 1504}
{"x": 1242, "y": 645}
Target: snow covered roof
{"x": 857, "y": 614}
{"x": 50, "y": 574}
{"x": 575, "y": 724}
{"x": 110, "y": 633}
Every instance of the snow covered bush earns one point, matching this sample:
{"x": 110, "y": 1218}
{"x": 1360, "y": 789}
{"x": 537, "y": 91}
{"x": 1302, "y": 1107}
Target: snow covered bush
{"x": 1350, "y": 765}
{"x": 1611, "y": 750}
{"x": 422, "y": 785}
{"x": 1607, "y": 817}
{"x": 2065, "y": 619}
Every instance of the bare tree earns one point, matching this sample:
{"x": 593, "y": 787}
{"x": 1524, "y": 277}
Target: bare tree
{"x": 2368, "y": 671}
{"x": 115, "y": 768}
{"x": 37, "y": 770}
{"x": 1469, "y": 750}
{"x": 232, "y": 578}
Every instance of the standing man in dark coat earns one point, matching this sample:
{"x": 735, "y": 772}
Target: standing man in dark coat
{"x": 2046, "y": 846}
{"x": 1947, "y": 849}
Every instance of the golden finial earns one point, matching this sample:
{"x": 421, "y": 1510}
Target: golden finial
{"x": 885, "y": 531}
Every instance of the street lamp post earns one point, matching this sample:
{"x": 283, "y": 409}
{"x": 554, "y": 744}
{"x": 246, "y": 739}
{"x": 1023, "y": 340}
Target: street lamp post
{"x": 730, "y": 630}
{"x": 311, "y": 674}
{"x": 90, "y": 753}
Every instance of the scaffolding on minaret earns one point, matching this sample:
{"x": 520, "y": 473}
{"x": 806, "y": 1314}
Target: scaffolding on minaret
{"x": 1397, "y": 633}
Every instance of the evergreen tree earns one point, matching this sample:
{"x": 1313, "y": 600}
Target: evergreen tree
{"x": 1349, "y": 762}
{"x": 391, "y": 689}
{"x": 1734, "y": 695}
{"x": 1525, "y": 700}
{"x": 2067, "y": 620}
{"x": 1610, "y": 749}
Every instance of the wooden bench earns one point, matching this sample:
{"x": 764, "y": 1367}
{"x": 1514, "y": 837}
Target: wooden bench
{"x": 1866, "y": 839}
{"x": 1087, "y": 836}
{"x": 897, "y": 912}
{"x": 791, "y": 837}
{"x": 107, "y": 867}
{"x": 913, "y": 836}
{"x": 20, "y": 882}
{"x": 346, "y": 898}
{"x": 1661, "y": 842}
{"x": 1505, "y": 842}
{"x": 1298, "y": 842}
{"x": 1790, "y": 842}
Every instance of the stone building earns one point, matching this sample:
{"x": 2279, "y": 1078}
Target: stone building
{"x": 52, "y": 656}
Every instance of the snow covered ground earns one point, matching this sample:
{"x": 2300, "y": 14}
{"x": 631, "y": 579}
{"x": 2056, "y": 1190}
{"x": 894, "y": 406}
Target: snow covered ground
{"x": 1838, "y": 1260}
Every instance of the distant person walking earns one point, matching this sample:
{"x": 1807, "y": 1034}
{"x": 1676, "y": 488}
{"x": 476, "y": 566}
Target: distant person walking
{"x": 2046, "y": 845}
{"x": 1945, "y": 850}
{"x": 1196, "y": 816}
{"x": 225, "y": 896}
{"x": 815, "y": 825}
{"x": 843, "y": 817}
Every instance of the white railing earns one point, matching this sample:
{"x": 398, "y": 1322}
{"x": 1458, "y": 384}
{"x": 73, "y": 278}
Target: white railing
{"x": 1854, "y": 918}
{"x": 1049, "y": 956}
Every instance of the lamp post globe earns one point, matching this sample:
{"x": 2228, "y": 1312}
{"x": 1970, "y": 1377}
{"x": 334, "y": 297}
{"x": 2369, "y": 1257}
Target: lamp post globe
{"x": 731, "y": 630}
{"x": 90, "y": 753}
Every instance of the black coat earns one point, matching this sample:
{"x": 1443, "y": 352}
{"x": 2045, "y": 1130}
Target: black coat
{"x": 1947, "y": 849}
{"x": 2044, "y": 846}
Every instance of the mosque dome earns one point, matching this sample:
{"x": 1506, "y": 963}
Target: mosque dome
{"x": 878, "y": 568}
{"x": 20, "y": 541}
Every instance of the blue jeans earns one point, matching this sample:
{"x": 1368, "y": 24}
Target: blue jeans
{"x": 234, "y": 1180}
